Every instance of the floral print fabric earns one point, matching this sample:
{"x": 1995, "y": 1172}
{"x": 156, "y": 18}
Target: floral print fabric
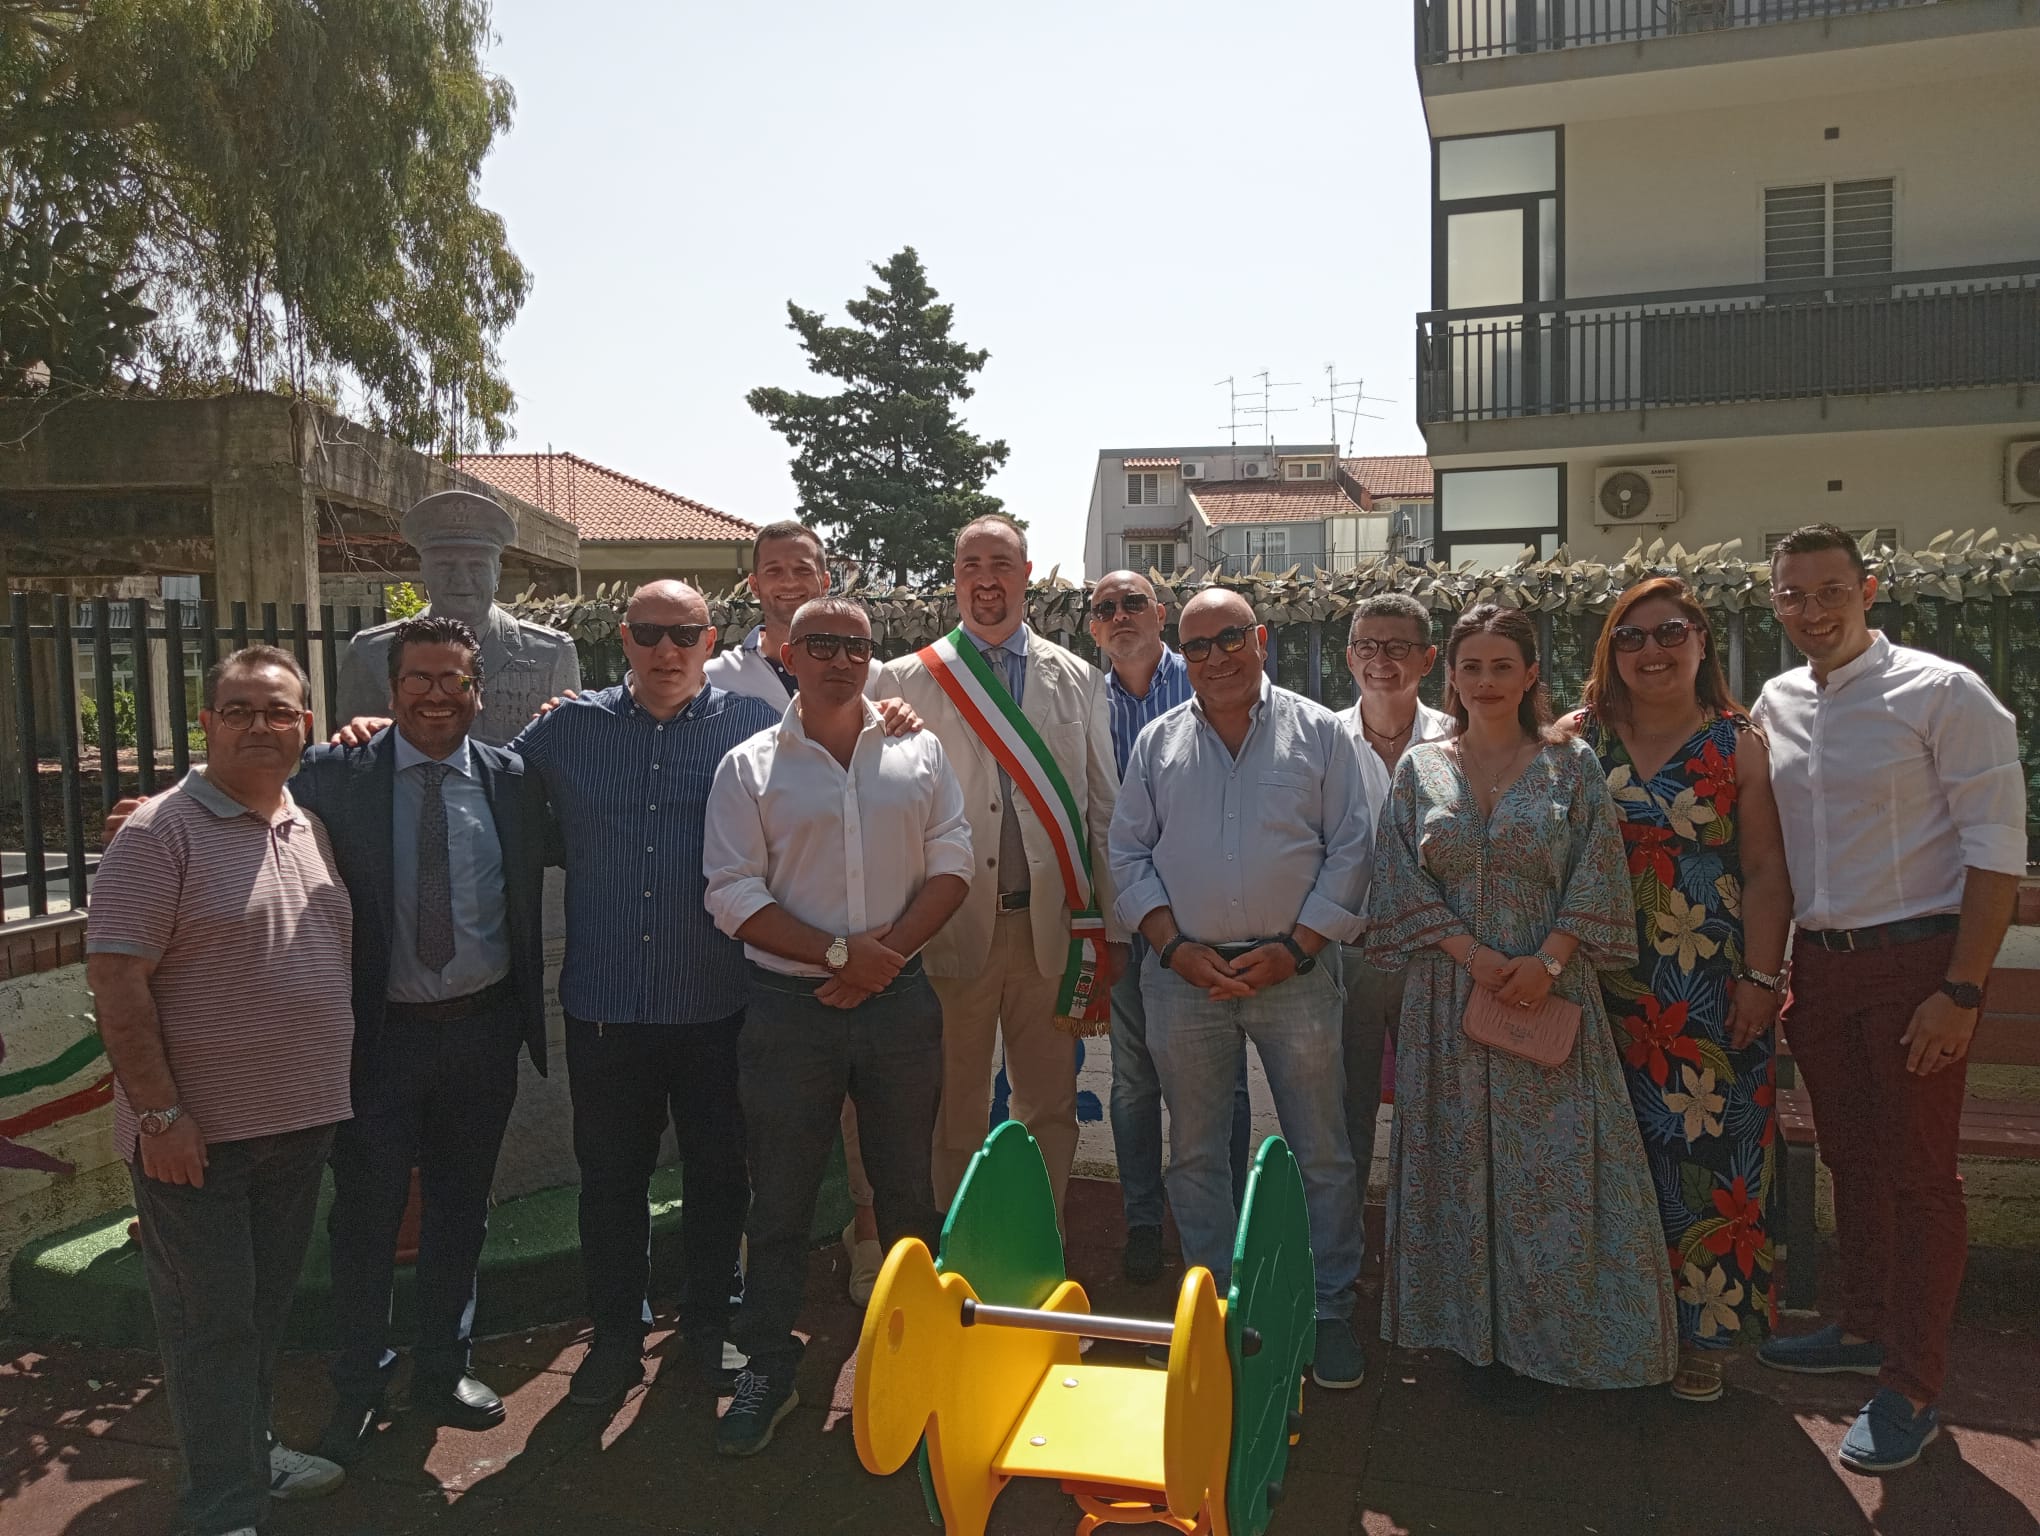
{"x": 1706, "y": 1110}
{"x": 1521, "y": 1223}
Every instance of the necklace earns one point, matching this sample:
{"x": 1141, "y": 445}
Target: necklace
{"x": 1495, "y": 778}
{"x": 1384, "y": 736}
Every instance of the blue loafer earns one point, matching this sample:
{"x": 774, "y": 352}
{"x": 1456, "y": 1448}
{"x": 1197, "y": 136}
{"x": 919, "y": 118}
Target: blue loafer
{"x": 1887, "y": 1434}
{"x": 1822, "y": 1353}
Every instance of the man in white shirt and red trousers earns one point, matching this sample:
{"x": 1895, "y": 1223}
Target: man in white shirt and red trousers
{"x": 1898, "y": 782}
{"x": 834, "y": 851}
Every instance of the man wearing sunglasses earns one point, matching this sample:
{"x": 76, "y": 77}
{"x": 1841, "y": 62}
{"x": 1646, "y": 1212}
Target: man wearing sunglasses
{"x": 442, "y": 841}
{"x": 653, "y": 992}
{"x": 1904, "y": 808}
{"x": 1145, "y": 680}
{"x": 1242, "y": 846}
{"x": 834, "y": 852}
{"x": 1026, "y": 959}
{"x": 1390, "y": 651}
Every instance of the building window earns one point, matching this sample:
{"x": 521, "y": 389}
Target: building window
{"x": 1488, "y": 516}
{"x": 1267, "y": 549}
{"x": 1142, "y": 555}
{"x": 1313, "y": 470}
{"x": 1868, "y": 540}
{"x": 1829, "y": 229}
{"x": 1144, "y": 490}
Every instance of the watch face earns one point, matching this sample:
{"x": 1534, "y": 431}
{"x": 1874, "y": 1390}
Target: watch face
{"x": 1967, "y": 994}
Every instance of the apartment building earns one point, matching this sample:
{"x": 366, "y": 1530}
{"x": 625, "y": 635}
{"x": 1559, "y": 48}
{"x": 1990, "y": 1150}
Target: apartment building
{"x": 1259, "y": 508}
{"x": 1710, "y": 269}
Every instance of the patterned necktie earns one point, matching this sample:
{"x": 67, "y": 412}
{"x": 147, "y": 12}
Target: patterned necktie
{"x": 435, "y": 880}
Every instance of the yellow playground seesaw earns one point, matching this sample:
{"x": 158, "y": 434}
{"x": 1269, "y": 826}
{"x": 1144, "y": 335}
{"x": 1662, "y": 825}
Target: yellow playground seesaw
{"x": 974, "y": 1356}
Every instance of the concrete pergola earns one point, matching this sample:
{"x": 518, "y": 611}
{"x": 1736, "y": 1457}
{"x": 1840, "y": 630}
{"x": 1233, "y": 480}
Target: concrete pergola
{"x": 256, "y": 495}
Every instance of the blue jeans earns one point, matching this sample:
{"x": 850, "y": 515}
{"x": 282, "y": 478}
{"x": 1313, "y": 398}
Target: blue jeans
{"x": 222, "y": 1260}
{"x": 1198, "y": 1044}
{"x": 437, "y": 1096}
{"x": 1137, "y": 1106}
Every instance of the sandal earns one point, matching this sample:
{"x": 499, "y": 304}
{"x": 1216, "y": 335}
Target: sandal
{"x": 1699, "y": 1376}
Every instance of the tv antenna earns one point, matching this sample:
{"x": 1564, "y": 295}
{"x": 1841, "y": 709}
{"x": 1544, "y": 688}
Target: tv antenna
{"x": 1267, "y": 410}
{"x": 1233, "y": 408}
{"x": 1344, "y": 397}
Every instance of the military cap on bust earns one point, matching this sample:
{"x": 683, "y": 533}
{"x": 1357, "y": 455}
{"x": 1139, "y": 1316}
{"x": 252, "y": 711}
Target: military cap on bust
{"x": 458, "y": 517}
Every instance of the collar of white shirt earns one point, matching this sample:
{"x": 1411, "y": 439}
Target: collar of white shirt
{"x": 1876, "y": 656}
{"x": 791, "y": 727}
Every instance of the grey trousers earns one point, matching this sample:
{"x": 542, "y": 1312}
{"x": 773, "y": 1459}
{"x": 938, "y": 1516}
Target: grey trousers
{"x": 223, "y": 1261}
{"x": 1373, "y": 1006}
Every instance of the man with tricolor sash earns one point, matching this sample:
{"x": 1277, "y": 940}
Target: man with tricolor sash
{"x": 1031, "y": 955}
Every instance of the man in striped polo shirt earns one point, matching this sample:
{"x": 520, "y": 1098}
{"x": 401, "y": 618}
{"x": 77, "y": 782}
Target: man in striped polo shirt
{"x": 218, "y": 947}
{"x": 1145, "y": 679}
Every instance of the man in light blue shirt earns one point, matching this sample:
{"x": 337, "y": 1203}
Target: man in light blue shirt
{"x": 1241, "y": 847}
{"x": 474, "y": 865}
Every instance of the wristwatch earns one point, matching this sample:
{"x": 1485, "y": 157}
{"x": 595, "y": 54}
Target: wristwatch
{"x": 154, "y": 1122}
{"x": 1167, "y": 952}
{"x": 1759, "y": 978}
{"x": 1967, "y": 994}
{"x": 837, "y": 955}
{"x": 1305, "y": 964}
{"x": 1553, "y": 968}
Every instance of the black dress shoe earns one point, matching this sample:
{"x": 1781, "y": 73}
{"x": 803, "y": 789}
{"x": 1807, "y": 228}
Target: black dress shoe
{"x": 348, "y": 1432}
{"x": 464, "y": 1404}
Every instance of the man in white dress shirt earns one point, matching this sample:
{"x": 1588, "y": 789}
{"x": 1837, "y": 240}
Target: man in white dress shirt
{"x": 1904, "y": 806}
{"x": 1390, "y": 650}
{"x": 834, "y": 852}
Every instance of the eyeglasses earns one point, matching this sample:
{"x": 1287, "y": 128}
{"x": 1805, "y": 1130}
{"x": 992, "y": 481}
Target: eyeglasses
{"x": 1669, "y": 635}
{"x": 415, "y": 685}
{"x": 1789, "y": 601}
{"x": 825, "y": 647}
{"x": 242, "y": 717}
{"x": 1394, "y": 650}
{"x": 686, "y": 636}
{"x": 1232, "y": 640}
{"x": 1132, "y": 603}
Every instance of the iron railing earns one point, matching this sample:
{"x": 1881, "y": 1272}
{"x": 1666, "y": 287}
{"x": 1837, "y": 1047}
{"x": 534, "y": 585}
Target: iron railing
{"x": 1896, "y": 332}
{"x": 1453, "y": 31}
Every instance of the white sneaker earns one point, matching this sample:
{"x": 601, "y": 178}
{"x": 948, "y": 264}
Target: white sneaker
{"x": 733, "y": 1358}
{"x": 294, "y": 1475}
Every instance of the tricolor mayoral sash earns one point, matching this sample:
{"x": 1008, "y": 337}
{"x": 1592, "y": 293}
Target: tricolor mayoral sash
{"x": 1083, "y": 1004}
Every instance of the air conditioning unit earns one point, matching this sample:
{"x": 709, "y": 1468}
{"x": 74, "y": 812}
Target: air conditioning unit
{"x": 1192, "y": 470}
{"x": 1253, "y": 469}
{"x": 1627, "y": 494}
{"x": 2022, "y": 472}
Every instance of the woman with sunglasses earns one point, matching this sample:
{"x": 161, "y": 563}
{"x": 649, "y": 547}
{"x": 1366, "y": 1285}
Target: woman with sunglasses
{"x": 1691, "y": 782}
{"x": 1521, "y": 1229}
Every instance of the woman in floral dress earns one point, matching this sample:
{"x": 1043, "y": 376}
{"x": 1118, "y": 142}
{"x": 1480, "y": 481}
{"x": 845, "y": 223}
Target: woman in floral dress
{"x": 1521, "y": 1225}
{"x": 1691, "y": 781}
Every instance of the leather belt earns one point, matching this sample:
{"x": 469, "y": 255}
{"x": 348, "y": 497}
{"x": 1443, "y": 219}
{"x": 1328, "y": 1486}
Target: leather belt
{"x": 807, "y": 986}
{"x": 1234, "y": 951}
{"x": 1014, "y": 901}
{"x": 491, "y": 997}
{"x": 1882, "y": 935}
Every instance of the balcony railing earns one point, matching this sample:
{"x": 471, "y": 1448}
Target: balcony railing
{"x": 1452, "y": 31}
{"x": 1897, "y": 332}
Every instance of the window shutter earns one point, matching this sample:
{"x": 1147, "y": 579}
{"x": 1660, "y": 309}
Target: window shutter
{"x": 1795, "y": 232}
{"x": 1863, "y": 227}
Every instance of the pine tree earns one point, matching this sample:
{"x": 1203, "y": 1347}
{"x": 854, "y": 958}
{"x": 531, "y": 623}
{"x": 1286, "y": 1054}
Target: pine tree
{"x": 886, "y": 464}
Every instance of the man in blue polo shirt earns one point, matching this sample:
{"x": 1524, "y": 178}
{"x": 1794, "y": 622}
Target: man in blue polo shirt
{"x": 653, "y": 992}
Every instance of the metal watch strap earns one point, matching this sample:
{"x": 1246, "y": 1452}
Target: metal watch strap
{"x": 1759, "y": 978}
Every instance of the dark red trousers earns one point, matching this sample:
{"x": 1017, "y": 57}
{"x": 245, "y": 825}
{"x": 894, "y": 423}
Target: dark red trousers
{"x": 1889, "y": 1137}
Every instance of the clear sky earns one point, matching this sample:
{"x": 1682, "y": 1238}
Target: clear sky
{"x": 1123, "y": 201}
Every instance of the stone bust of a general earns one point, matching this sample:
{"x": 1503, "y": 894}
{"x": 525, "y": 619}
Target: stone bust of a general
{"x": 459, "y": 537}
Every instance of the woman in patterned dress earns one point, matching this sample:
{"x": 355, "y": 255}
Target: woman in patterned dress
{"x": 1521, "y": 1226}
{"x": 1691, "y": 781}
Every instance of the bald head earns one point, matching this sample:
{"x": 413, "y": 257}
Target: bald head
{"x": 1211, "y": 610}
{"x": 1126, "y": 625}
{"x": 668, "y": 601}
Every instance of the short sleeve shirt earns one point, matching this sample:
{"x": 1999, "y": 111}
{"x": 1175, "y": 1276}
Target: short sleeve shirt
{"x": 252, "y": 932}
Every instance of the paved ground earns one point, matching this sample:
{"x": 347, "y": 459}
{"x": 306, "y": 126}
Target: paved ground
{"x": 85, "y": 1449}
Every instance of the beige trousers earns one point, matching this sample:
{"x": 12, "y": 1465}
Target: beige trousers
{"x": 1013, "y": 1000}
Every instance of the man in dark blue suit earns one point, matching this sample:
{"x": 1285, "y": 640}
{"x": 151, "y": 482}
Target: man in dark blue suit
{"x": 442, "y": 841}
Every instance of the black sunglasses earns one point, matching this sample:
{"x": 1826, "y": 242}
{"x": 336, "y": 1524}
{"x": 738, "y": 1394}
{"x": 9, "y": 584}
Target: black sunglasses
{"x": 1669, "y": 635}
{"x": 1232, "y": 639}
{"x": 1132, "y": 603}
{"x": 686, "y": 636}
{"x": 825, "y": 647}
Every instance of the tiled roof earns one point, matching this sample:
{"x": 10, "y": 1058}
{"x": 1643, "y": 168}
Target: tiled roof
{"x": 607, "y": 507}
{"x": 1402, "y": 474}
{"x": 1226, "y": 502}
{"x": 1150, "y": 463}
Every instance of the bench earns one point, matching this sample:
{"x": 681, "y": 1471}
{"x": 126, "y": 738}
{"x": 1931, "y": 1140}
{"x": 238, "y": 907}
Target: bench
{"x": 2008, "y": 1035}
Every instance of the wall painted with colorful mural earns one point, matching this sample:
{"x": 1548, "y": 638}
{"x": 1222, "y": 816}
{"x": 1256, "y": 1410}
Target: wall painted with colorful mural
{"x": 57, "y": 1166}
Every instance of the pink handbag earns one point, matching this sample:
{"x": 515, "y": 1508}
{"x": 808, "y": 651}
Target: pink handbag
{"x": 1544, "y": 1033}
